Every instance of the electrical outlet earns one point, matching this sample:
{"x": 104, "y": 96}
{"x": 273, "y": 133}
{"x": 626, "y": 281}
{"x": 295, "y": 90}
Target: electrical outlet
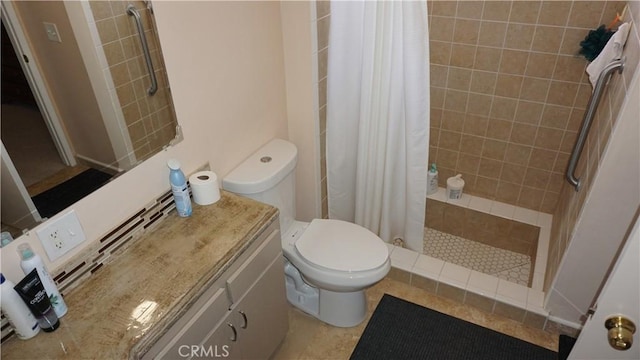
{"x": 52, "y": 32}
{"x": 61, "y": 235}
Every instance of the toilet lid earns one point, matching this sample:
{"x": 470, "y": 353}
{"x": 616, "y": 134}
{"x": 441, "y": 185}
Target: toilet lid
{"x": 341, "y": 246}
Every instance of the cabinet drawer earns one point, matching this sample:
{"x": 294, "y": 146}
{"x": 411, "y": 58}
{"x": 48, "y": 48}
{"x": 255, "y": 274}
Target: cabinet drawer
{"x": 201, "y": 323}
{"x": 251, "y": 269}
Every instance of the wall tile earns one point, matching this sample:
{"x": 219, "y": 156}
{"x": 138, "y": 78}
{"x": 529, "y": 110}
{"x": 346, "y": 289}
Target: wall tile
{"x": 323, "y": 32}
{"x": 443, "y": 8}
{"x": 323, "y": 8}
{"x": 541, "y": 65}
{"x": 554, "y": 12}
{"x": 475, "y": 125}
{"x": 542, "y": 158}
{"x": 508, "y": 85}
{"x": 470, "y": 144}
{"x": 499, "y": 129}
{"x": 528, "y": 112}
{"x": 452, "y": 120}
{"x": 487, "y": 58}
{"x": 494, "y": 149}
{"x": 466, "y": 31}
{"x": 504, "y": 108}
{"x": 479, "y": 104}
{"x": 511, "y": 68}
{"x": 459, "y": 79}
{"x": 547, "y": 39}
{"x": 496, "y": 10}
{"x": 470, "y": 9}
{"x": 462, "y": 55}
{"x": 562, "y": 93}
{"x": 534, "y": 89}
{"x": 492, "y": 34}
{"x": 586, "y": 14}
{"x": 514, "y": 61}
{"x": 441, "y": 28}
{"x": 519, "y": 36}
{"x": 523, "y": 134}
{"x": 548, "y": 138}
{"x": 456, "y": 100}
{"x": 555, "y": 116}
{"x": 439, "y": 52}
{"x": 525, "y": 11}
{"x": 483, "y": 82}
{"x": 569, "y": 68}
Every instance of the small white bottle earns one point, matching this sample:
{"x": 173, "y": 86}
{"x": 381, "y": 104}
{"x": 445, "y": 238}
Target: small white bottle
{"x": 30, "y": 261}
{"x": 432, "y": 180}
{"x": 16, "y": 311}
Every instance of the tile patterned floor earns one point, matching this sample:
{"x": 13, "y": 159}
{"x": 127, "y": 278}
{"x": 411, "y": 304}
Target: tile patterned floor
{"x": 309, "y": 338}
{"x": 504, "y": 264}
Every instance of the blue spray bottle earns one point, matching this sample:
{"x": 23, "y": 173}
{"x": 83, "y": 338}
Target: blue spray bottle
{"x": 179, "y": 188}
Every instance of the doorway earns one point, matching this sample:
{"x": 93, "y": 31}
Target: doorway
{"x": 23, "y": 128}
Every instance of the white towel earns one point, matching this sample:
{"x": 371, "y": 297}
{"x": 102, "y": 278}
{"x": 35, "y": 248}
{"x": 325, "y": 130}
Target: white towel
{"x": 612, "y": 51}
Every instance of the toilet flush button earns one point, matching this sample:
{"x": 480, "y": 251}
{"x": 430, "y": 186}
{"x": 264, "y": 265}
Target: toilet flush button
{"x": 265, "y": 159}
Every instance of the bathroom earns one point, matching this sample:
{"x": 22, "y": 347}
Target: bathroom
{"x": 211, "y": 89}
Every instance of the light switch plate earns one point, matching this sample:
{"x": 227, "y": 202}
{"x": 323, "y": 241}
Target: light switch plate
{"x": 52, "y": 32}
{"x": 61, "y": 235}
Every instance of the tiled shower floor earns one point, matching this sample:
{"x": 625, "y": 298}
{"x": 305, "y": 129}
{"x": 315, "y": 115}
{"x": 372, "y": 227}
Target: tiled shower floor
{"x": 504, "y": 264}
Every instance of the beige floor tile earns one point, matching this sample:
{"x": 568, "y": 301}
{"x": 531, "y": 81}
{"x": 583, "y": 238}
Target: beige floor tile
{"x": 309, "y": 338}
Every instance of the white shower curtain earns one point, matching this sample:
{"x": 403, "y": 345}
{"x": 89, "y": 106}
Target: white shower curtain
{"x": 378, "y": 117}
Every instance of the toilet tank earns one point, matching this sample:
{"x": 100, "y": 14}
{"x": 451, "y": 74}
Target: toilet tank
{"x": 268, "y": 176}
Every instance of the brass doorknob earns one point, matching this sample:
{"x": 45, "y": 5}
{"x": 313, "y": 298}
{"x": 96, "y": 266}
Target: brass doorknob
{"x": 621, "y": 332}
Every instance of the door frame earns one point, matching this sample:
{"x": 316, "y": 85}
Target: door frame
{"x": 37, "y": 84}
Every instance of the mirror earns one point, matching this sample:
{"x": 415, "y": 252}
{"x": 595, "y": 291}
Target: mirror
{"x": 77, "y": 109}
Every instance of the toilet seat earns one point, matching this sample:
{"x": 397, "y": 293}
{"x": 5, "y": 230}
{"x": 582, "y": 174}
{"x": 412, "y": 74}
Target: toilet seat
{"x": 341, "y": 246}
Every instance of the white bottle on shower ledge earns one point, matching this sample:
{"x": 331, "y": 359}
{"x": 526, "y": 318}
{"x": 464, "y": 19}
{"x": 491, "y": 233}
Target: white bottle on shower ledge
{"x": 432, "y": 180}
{"x": 454, "y": 187}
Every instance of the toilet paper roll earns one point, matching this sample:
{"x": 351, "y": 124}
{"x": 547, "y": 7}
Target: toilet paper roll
{"x": 204, "y": 187}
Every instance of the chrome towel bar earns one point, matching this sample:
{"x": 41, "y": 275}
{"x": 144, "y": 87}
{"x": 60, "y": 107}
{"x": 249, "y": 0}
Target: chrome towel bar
{"x": 132, "y": 11}
{"x": 588, "y": 119}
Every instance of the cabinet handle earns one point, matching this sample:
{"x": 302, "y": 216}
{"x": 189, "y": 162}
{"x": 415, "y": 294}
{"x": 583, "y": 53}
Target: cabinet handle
{"x": 244, "y": 317}
{"x": 235, "y": 333}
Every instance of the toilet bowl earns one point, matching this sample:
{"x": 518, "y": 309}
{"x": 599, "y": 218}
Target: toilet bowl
{"x": 328, "y": 263}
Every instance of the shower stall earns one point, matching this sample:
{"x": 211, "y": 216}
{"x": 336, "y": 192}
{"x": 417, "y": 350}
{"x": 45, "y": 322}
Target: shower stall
{"x": 508, "y": 94}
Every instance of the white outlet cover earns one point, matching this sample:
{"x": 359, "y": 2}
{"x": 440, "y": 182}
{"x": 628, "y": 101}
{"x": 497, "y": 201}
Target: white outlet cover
{"x": 52, "y": 32}
{"x": 61, "y": 235}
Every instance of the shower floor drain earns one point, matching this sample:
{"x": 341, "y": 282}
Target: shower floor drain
{"x": 504, "y": 264}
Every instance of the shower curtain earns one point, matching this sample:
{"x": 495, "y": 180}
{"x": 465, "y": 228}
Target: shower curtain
{"x": 378, "y": 117}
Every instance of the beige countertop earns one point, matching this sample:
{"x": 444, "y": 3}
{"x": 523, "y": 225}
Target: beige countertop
{"x": 131, "y": 301}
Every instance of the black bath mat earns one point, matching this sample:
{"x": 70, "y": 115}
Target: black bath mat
{"x": 399, "y": 329}
{"x": 565, "y": 345}
{"x": 64, "y": 195}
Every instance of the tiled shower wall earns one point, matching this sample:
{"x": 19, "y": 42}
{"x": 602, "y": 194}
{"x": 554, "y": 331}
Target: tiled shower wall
{"x": 571, "y": 202}
{"x": 150, "y": 119}
{"x": 323, "y": 16}
{"x": 508, "y": 93}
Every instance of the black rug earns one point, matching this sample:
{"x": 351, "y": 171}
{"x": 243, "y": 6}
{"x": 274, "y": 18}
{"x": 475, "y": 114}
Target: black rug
{"x": 399, "y": 329}
{"x": 64, "y": 195}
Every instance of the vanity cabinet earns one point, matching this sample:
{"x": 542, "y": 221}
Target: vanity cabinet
{"x": 242, "y": 315}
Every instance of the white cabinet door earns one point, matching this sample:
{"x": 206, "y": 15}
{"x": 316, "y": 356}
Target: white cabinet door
{"x": 262, "y": 314}
{"x": 620, "y": 296}
{"x": 223, "y": 341}
{"x": 256, "y": 325}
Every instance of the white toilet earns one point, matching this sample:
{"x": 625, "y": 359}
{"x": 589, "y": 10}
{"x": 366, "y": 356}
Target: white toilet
{"x": 329, "y": 263}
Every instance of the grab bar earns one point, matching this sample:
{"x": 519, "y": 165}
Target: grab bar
{"x": 588, "y": 119}
{"x": 132, "y": 11}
